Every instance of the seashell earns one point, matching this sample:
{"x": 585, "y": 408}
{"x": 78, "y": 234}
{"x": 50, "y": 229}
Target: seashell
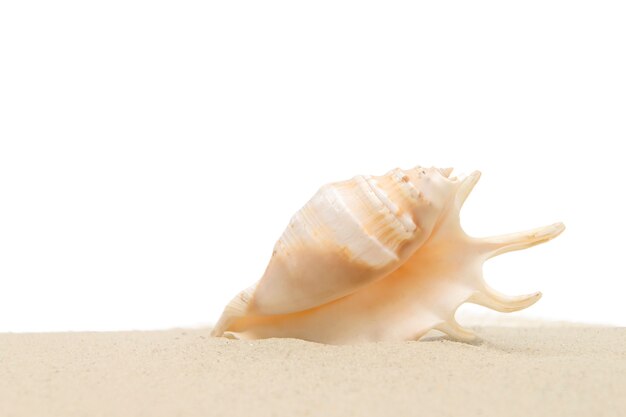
{"x": 377, "y": 258}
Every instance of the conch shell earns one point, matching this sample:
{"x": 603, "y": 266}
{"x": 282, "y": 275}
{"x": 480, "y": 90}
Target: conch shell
{"x": 377, "y": 259}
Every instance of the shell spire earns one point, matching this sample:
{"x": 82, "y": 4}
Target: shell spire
{"x": 377, "y": 258}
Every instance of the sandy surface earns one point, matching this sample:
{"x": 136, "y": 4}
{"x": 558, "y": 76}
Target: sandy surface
{"x": 562, "y": 371}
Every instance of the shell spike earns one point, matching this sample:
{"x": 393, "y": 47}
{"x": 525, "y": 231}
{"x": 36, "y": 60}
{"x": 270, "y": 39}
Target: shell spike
{"x": 503, "y": 303}
{"x": 496, "y": 245}
{"x": 446, "y": 171}
{"x": 451, "y": 225}
{"x": 454, "y": 329}
{"x": 467, "y": 185}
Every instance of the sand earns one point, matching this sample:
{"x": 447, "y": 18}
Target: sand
{"x": 559, "y": 371}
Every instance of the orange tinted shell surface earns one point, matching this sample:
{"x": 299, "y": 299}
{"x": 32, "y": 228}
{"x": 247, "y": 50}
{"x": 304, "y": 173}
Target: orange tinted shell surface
{"x": 375, "y": 259}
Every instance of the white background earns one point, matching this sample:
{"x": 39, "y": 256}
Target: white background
{"x": 152, "y": 152}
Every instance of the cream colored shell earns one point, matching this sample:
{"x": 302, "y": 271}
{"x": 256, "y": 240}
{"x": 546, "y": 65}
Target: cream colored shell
{"x": 376, "y": 259}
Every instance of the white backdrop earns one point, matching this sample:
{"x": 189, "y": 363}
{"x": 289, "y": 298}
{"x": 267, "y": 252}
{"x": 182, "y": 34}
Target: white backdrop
{"x": 152, "y": 152}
